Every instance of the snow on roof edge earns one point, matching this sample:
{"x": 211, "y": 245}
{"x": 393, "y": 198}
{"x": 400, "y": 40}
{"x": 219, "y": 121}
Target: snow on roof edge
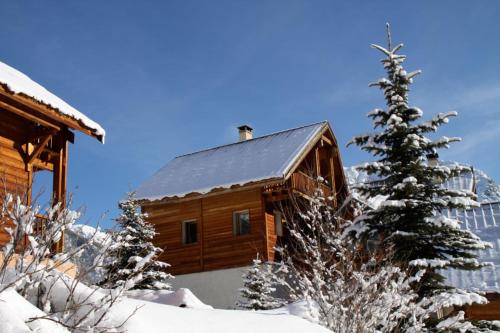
{"x": 298, "y": 152}
{"x": 20, "y": 83}
{"x": 208, "y": 190}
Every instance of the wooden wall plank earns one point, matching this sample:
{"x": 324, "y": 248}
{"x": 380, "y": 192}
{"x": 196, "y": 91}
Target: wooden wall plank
{"x": 217, "y": 247}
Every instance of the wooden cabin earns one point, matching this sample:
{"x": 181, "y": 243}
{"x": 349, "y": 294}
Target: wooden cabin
{"x": 217, "y": 208}
{"x": 35, "y": 130}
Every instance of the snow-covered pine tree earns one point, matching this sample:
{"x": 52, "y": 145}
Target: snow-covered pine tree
{"x": 258, "y": 288}
{"x": 132, "y": 247}
{"x": 409, "y": 219}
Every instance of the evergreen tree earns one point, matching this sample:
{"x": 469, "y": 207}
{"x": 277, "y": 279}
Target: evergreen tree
{"x": 258, "y": 288}
{"x": 409, "y": 219}
{"x": 340, "y": 287}
{"x": 132, "y": 254}
{"x": 492, "y": 190}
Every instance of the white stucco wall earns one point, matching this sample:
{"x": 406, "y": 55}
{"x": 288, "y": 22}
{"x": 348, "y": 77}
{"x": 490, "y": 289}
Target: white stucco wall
{"x": 217, "y": 288}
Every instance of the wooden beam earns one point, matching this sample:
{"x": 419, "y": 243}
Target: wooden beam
{"x": 332, "y": 179}
{"x": 26, "y": 115}
{"x": 69, "y": 136}
{"x": 316, "y": 162}
{"x": 275, "y": 198}
{"x": 47, "y": 111}
{"x": 335, "y": 151}
{"x": 39, "y": 132}
{"x": 30, "y": 187}
{"x": 43, "y": 165}
{"x": 324, "y": 138}
{"x": 35, "y": 111}
{"x": 39, "y": 148}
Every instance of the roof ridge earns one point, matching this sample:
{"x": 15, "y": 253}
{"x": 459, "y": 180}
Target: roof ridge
{"x": 250, "y": 140}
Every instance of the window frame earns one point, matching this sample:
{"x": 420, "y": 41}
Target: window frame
{"x": 278, "y": 222}
{"x": 184, "y": 224}
{"x": 237, "y": 224}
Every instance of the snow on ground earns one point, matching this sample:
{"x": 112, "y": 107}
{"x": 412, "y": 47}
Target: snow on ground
{"x": 155, "y": 317}
{"x": 302, "y": 309}
{"x": 182, "y": 298}
{"x": 20, "y": 83}
{"x": 15, "y": 311}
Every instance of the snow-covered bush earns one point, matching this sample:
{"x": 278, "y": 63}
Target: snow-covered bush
{"x": 258, "y": 288}
{"x": 347, "y": 291}
{"x": 31, "y": 269}
{"x": 132, "y": 253}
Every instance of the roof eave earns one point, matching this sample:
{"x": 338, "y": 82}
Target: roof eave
{"x": 212, "y": 192}
{"x": 44, "y": 112}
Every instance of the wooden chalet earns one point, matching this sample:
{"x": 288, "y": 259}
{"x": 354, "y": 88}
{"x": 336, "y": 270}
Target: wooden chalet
{"x": 217, "y": 208}
{"x": 35, "y": 129}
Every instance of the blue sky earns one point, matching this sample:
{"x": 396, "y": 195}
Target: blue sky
{"x": 170, "y": 77}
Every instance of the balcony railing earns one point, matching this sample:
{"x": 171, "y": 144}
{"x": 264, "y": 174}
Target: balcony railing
{"x": 307, "y": 185}
{"x": 40, "y": 228}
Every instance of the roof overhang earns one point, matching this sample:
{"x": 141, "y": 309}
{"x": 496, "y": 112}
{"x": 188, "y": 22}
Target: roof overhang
{"x": 41, "y": 113}
{"x": 212, "y": 192}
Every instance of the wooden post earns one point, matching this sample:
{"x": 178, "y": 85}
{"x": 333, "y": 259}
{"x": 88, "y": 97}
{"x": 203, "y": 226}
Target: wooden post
{"x": 332, "y": 179}
{"x": 29, "y": 194}
{"x": 316, "y": 162}
{"x": 59, "y": 177}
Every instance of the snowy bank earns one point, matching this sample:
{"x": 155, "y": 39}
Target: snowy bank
{"x": 151, "y": 316}
{"x": 181, "y": 298}
{"x": 154, "y": 317}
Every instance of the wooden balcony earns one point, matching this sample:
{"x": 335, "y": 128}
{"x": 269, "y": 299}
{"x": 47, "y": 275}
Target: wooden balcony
{"x": 299, "y": 183}
{"x": 39, "y": 229}
{"x": 305, "y": 184}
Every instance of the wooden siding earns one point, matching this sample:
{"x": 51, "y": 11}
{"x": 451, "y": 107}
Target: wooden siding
{"x": 13, "y": 175}
{"x": 217, "y": 247}
{"x": 490, "y": 311}
{"x": 270, "y": 236}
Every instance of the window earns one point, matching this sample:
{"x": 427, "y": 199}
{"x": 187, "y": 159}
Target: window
{"x": 189, "y": 232}
{"x": 241, "y": 223}
{"x": 278, "y": 223}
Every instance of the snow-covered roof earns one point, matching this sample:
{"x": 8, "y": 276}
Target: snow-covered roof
{"x": 484, "y": 221}
{"x": 464, "y": 182}
{"x": 19, "y": 83}
{"x": 264, "y": 158}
